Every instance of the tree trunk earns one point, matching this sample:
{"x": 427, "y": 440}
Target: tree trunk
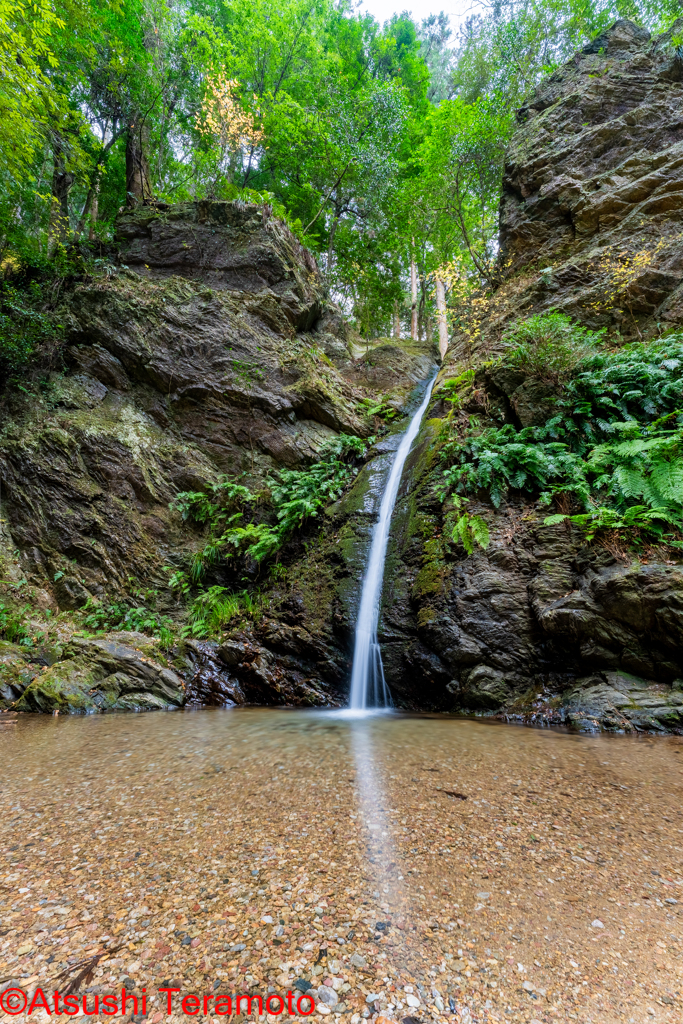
{"x": 422, "y": 309}
{"x": 397, "y": 321}
{"x": 62, "y": 180}
{"x": 441, "y": 316}
{"x": 330, "y": 244}
{"x": 138, "y": 187}
{"x": 413, "y": 300}
{"x": 94, "y": 208}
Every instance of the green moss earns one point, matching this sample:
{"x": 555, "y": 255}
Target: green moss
{"x": 426, "y": 616}
{"x": 429, "y": 580}
{"x": 63, "y": 687}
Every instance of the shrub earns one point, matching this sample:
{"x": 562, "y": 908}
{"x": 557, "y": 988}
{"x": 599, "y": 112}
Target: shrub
{"x": 616, "y": 443}
{"x": 638, "y": 517}
{"x": 13, "y": 625}
{"x": 295, "y": 494}
{"x": 120, "y": 616}
{"x": 468, "y": 529}
{"x": 211, "y": 611}
{"x": 549, "y": 345}
{"x": 642, "y": 382}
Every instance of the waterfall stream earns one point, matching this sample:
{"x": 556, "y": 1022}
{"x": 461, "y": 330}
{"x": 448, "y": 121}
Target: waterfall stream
{"x": 368, "y": 685}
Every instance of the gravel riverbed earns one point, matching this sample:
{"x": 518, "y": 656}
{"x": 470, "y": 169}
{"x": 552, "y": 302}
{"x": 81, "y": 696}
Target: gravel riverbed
{"x": 421, "y": 867}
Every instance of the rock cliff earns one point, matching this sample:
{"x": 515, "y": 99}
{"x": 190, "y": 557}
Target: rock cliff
{"x": 542, "y": 626}
{"x": 206, "y": 346}
{"x": 591, "y": 220}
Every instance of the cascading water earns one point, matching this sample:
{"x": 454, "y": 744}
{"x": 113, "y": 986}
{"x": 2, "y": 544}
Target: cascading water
{"x": 368, "y": 686}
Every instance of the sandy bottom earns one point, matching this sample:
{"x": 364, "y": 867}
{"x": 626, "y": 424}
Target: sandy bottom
{"x": 415, "y": 867}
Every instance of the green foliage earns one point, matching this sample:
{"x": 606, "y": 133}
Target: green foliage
{"x": 497, "y": 460}
{"x": 380, "y": 408}
{"x": 211, "y": 611}
{"x": 216, "y": 607}
{"x": 642, "y": 382}
{"x": 549, "y": 345}
{"x": 377, "y": 143}
{"x": 105, "y": 618}
{"x": 468, "y": 529}
{"x": 295, "y": 497}
{"x": 645, "y": 465}
{"x": 616, "y": 445}
{"x": 452, "y": 390}
{"x": 636, "y": 517}
{"x": 213, "y": 504}
{"x": 13, "y": 625}
{"x": 300, "y": 494}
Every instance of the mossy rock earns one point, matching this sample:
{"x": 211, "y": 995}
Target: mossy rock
{"x": 15, "y": 673}
{"x": 65, "y": 686}
{"x": 104, "y": 676}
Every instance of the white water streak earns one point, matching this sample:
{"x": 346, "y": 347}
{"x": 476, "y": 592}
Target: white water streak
{"x": 368, "y": 686}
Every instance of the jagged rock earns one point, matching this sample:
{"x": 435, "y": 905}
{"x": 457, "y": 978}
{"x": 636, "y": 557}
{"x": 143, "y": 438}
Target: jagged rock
{"x": 15, "y": 672}
{"x": 102, "y": 675}
{"x": 591, "y": 219}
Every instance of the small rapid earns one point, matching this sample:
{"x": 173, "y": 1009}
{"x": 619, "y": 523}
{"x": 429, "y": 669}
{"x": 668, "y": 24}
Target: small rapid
{"x": 368, "y": 685}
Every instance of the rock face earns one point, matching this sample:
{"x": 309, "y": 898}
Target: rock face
{"x": 172, "y": 382}
{"x": 541, "y": 626}
{"x": 207, "y": 347}
{"x": 591, "y": 221}
{"x": 113, "y": 674}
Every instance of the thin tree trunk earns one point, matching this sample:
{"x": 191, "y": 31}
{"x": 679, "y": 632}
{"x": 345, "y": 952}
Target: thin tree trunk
{"x": 90, "y": 202}
{"x": 330, "y": 244}
{"x": 413, "y": 300}
{"x": 441, "y": 316}
{"x": 94, "y": 209}
{"x": 138, "y": 187}
{"x": 422, "y": 309}
{"x": 62, "y": 180}
{"x": 397, "y": 321}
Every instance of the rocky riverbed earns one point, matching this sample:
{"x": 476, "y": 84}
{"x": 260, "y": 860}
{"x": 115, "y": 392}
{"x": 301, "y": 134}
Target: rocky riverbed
{"x": 394, "y": 867}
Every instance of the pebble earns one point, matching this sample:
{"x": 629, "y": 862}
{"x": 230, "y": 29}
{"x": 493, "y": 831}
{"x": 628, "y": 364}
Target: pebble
{"x": 167, "y": 848}
{"x": 328, "y": 995}
{"x": 597, "y": 923}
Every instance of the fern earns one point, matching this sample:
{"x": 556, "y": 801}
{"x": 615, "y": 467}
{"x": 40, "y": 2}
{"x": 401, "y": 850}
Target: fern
{"x": 618, "y": 433}
{"x": 650, "y": 520}
{"x": 467, "y": 529}
{"x": 295, "y": 496}
{"x": 497, "y": 460}
{"x": 648, "y": 467}
{"x": 211, "y": 611}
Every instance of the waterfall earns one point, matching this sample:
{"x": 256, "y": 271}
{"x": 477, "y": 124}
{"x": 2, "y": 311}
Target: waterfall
{"x": 368, "y": 686}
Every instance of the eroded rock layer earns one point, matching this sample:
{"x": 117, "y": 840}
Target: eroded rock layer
{"x": 207, "y": 346}
{"x": 591, "y": 220}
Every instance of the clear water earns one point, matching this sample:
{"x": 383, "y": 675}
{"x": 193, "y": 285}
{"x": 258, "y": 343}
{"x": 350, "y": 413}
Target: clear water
{"x": 249, "y": 847}
{"x": 368, "y": 685}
